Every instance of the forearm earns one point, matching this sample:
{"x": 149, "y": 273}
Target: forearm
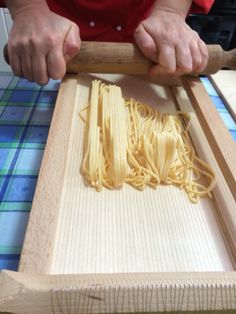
{"x": 181, "y": 7}
{"x": 17, "y": 6}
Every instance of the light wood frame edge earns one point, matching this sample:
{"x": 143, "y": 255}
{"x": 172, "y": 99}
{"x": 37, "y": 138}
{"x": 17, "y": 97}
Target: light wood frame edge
{"x": 38, "y": 243}
{"x": 116, "y": 293}
{"x": 219, "y": 138}
{"x": 222, "y": 96}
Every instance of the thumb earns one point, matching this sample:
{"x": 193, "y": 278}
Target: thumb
{"x": 146, "y": 43}
{"x": 72, "y": 43}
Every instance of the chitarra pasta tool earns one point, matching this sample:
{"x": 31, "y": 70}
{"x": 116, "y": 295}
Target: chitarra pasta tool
{"x": 124, "y": 250}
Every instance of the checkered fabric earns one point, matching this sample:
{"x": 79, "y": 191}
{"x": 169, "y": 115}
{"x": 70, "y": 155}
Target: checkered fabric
{"x": 25, "y": 115}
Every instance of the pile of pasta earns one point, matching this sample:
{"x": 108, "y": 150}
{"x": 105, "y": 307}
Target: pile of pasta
{"x": 130, "y": 142}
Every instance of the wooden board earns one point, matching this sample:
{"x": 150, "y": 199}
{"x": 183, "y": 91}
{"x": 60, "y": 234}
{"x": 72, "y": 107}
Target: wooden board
{"x": 121, "y": 251}
{"x": 224, "y": 82}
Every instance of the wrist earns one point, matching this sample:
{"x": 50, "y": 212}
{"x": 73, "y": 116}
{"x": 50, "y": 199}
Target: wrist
{"x": 172, "y": 6}
{"x": 20, "y": 6}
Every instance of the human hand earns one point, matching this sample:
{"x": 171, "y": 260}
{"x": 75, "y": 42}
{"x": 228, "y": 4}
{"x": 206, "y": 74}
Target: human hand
{"x": 166, "y": 39}
{"x": 41, "y": 43}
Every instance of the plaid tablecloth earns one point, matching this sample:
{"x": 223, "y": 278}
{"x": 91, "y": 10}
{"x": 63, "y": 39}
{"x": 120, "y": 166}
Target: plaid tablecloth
{"x": 25, "y": 114}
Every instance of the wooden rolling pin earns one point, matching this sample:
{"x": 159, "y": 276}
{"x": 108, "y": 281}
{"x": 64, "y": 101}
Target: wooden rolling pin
{"x": 126, "y": 58}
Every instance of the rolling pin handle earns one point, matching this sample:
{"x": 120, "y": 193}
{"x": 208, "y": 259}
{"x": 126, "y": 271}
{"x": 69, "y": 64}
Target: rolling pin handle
{"x": 230, "y": 59}
{"x": 218, "y": 59}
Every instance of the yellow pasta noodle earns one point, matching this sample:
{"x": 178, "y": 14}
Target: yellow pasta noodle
{"x": 129, "y": 142}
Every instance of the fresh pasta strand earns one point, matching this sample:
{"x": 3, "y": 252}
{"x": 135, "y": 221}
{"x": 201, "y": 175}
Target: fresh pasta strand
{"x": 129, "y": 142}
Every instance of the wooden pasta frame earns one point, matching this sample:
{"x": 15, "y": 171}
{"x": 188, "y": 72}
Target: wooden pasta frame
{"x": 61, "y": 272}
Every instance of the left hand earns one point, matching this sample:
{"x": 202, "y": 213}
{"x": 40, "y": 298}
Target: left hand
{"x": 166, "y": 39}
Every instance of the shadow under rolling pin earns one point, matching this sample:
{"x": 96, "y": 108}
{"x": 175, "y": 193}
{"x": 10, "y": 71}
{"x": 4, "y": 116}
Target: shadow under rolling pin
{"x": 126, "y": 58}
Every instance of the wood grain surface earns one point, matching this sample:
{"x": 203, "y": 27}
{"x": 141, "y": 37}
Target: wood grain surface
{"x": 225, "y": 84}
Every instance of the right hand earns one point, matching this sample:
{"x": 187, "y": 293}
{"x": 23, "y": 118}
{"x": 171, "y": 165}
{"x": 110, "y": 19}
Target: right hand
{"x": 41, "y": 43}
{"x": 166, "y": 39}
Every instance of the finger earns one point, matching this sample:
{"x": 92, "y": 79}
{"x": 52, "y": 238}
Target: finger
{"x": 166, "y": 61}
{"x": 72, "y": 43}
{"x": 196, "y": 55}
{"x": 26, "y": 66}
{"x": 15, "y": 64}
{"x": 184, "y": 59}
{"x": 158, "y": 70}
{"x": 204, "y": 55}
{"x": 56, "y": 66}
{"x": 39, "y": 67}
{"x": 146, "y": 43}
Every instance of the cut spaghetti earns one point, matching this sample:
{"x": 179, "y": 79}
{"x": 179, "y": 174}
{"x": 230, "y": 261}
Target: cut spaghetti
{"x": 129, "y": 142}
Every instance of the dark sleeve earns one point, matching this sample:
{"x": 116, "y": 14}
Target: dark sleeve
{"x": 201, "y": 6}
{"x": 2, "y": 4}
